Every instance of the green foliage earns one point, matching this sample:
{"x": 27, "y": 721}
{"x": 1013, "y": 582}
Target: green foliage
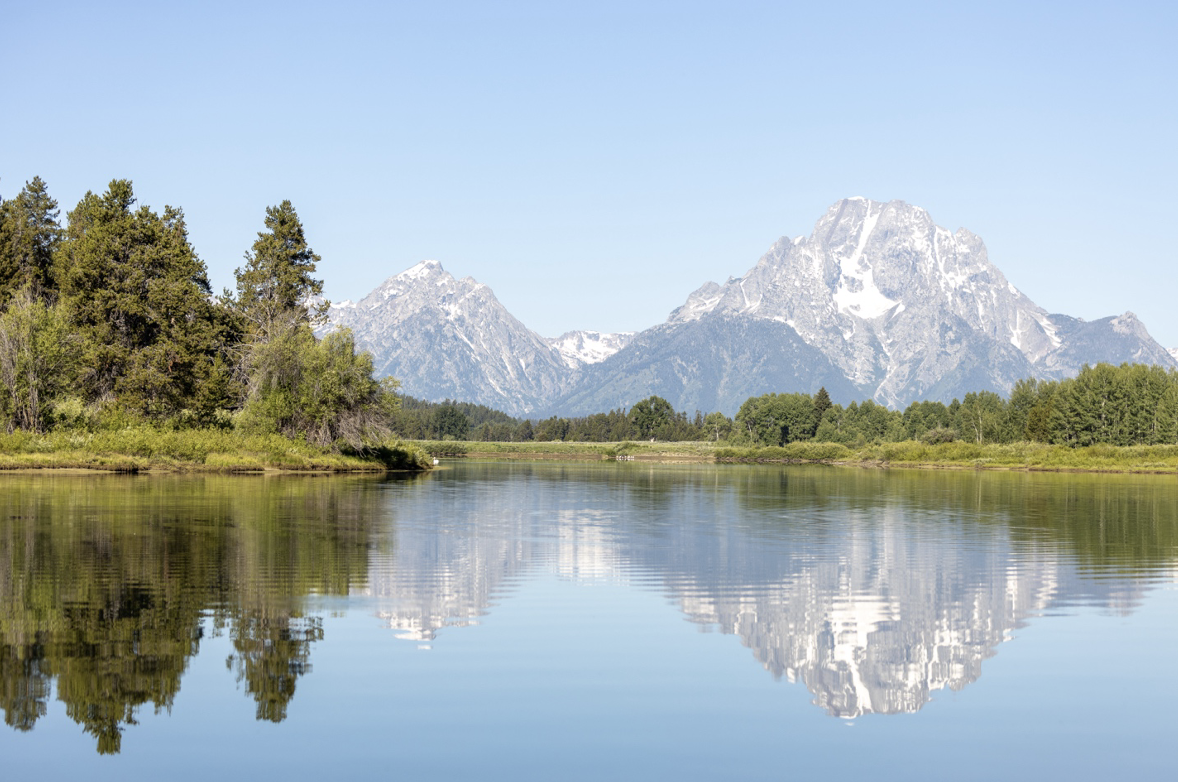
{"x": 798, "y": 451}
{"x": 982, "y": 416}
{"x": 38, "y": 360}
{"x": 650, "y": 415}
{"x": 448, "y": 422}
{"x": 775, "y": 419}
{"x": 139, "y": 298}
{"x": 822, "y": 403}
{"x": 144, "y": 446}
{"x": 717, "y": 426}
{"x": 320, "y": 390}
{"x": 552, "y": 429}
{"x": 939, "y": 435}
{"x": 276, "y": 286}
{"x": 29, "y": 236}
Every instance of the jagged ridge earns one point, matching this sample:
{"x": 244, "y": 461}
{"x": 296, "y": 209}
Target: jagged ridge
{"x": 877, "y": 302}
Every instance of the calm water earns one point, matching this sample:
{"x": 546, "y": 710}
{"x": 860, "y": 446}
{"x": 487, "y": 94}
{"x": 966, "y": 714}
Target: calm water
{"x": 600, "y": 621}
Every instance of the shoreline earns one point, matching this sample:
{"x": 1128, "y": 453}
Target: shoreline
{"x": 1015, "y": 457}
{"x": 171, "y": 453}
{"x": 139, "y": 450}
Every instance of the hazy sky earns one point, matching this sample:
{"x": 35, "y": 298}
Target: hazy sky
{"x": 596, "y": 162}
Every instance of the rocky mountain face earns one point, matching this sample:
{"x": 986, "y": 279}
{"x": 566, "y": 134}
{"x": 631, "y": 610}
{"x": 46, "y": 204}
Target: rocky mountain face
{"x": 877, "y": 302}
{"x": 902, "y": 308}
{"x": 447, "y": 338}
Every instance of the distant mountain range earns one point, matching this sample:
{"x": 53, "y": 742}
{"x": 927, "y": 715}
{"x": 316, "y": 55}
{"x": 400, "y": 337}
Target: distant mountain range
{"x": 878, "y": 302}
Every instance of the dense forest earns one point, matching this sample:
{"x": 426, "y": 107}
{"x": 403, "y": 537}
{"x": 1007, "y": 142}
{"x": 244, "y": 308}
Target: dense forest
{"x": 109, "y": 321}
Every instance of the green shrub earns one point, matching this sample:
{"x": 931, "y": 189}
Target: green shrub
{"x": 938, "y": 435}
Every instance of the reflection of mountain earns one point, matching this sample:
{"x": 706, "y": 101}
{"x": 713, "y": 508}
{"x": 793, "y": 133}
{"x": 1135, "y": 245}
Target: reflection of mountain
{"x": 877, "y": 619}
{"x": 874, "y": 589}
{"x": 454, "y": 554}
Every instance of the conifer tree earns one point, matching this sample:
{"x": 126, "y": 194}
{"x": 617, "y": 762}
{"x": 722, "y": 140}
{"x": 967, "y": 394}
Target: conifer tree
{"x": 275, "y": 288}
{"x": 140, "y": 299}
{"x": 822, "y": 403}
{"x": 29, "y": 235}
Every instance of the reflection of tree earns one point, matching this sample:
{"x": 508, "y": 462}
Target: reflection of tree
{"x": 874, "y": 588}
{"x": 24, "y": 688}
{"x": 104, "y": 583}
{"x": 272, "y": 653}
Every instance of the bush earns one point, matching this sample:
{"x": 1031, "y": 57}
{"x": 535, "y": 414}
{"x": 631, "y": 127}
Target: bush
{"x": 938, "y": 435}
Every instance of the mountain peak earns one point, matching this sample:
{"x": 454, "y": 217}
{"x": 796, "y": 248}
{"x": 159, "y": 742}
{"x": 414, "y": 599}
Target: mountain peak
{"x": 877, "y": 301}
{"x": 428, "y": 268}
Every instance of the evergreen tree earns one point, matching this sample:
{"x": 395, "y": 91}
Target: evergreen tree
{"x": 29, "y": 235}
{"x": 449, "y": 421}
{"x": 275, "y": 288}
{"x": 140, "y": 299}
{"x": 822, "y": 403}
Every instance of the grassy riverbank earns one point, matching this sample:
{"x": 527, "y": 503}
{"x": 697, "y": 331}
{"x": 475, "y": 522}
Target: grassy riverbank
{"x": 139, "y": 449}
{"x": 956, "y": 455}
{"x": 144, "y": 448}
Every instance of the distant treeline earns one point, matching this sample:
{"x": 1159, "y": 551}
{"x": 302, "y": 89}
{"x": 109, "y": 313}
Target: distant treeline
{"x": 109, "y": 321}
{"x": 652, "y": 418}
{"x": 1133, "y": 404}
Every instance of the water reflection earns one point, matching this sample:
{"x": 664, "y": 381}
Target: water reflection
{"x": 106, "y": 584}
{"x": 873, "y": 589}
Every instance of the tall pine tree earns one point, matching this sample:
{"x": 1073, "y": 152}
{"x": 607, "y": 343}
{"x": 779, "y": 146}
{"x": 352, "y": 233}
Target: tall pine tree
{"x": 29, "y": 235}
{"x": 275, "y": 288}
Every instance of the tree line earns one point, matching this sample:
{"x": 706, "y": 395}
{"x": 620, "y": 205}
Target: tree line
{"x": 109, "y": 320}
{"x": 1130, "y": 404}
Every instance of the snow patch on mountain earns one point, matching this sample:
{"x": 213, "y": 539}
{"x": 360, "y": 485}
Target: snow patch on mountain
{"x": 579, "y": 348}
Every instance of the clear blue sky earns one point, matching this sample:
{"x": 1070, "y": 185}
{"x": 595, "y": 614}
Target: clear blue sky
{"x": 596, "y": 162}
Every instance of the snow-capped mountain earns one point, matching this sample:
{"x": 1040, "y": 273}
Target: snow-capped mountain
{"x": 903, "y": 308}
{"x": 901, "y": 305}
{"x": 448, "y": 338}
{"x": 579, "y": 348}
{"x": 443, "y": 337}
{"x": 877, "y": 302}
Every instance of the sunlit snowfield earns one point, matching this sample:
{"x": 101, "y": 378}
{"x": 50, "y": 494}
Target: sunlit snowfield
{"x": 590, "y": 621}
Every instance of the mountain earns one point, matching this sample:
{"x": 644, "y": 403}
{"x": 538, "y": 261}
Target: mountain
{"x": 448, "y": 338}
{"x": 708, "y": 364}
{"x": 877, "y": 302}
{"x": 903, "y": 309}
{"x": 579, "y": 348}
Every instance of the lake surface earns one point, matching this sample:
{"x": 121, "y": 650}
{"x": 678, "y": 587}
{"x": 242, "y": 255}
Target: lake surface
{"x": 590, "y": 621}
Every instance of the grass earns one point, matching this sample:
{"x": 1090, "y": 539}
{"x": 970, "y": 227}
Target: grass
{"x": 574, "y": 451}
{"x": 956, "y": 455}
{"x": 141, "y": 448}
